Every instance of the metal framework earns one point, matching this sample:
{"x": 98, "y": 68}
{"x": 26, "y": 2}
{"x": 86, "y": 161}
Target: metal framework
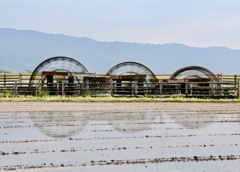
{"x": 127, "y": 75}
{"x": 194, "y": 73}
{"x": 132, "y": 69}
{"x": 196, "y": 79}
{"x": 66, "y": 76}
{"x": 58, "y": 64}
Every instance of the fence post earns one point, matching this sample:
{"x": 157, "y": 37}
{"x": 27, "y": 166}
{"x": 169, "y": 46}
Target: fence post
{"x": 39, "y": 87}
{"x": 186, "y": 87}
{"x": 212, "y": 87}
{"x": 112, "y": 87}
{"x": 58, "y": 90}
{"x": 220, "y": 77}
{"x": 63, "y": 88}
{"x": 20, "y": 77}
{"x": 132, "y": 89}
{"x": 160, "y": 86}
{"x": 15, "y": 88}
{"x": 136, "y": 87}
{"x": 34, "y": 90}
{"x": 190, "y": 89}
{"x": 87, "y": 86}
{"x": 238, "y": 85}
{"x": 79, "y": 89}
{"x": 4, "y": 80}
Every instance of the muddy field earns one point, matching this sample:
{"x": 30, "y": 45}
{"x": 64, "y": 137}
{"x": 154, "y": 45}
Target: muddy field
{"x": 48, "y": 136}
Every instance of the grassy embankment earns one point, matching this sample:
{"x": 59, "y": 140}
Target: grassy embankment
{"x": 109, "y": 99}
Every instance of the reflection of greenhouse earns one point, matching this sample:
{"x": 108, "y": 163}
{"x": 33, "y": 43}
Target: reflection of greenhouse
{"x": 193, "y": 120}
{"x": 65, "y": 124}
{"x": 66, "y": 76}
{"x": 59, "y": 124}
{"x": 131, "y": 121}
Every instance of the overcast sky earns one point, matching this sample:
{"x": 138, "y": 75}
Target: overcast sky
{"x": 197, "y": 23}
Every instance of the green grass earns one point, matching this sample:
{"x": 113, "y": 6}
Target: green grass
{"x": 108, "y": 99}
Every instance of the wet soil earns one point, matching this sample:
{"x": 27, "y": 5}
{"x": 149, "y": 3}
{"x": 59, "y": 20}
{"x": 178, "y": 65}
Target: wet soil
{"x": 50, "y": 136}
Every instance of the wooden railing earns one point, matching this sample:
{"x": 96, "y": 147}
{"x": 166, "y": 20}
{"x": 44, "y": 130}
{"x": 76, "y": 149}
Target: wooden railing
{"x": 18, "y": 84}
{"x": 24, "y": 77}
{"x": 155, "y": 89}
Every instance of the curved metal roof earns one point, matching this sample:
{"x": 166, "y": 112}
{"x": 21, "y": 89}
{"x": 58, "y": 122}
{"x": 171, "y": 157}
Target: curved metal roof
{"x": 60, "y": 64}
{"x": 193, "y": 72}
{"x": 131, "y": 68}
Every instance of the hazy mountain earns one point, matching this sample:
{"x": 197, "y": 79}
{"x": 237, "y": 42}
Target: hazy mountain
{"x": 22, "y": 50}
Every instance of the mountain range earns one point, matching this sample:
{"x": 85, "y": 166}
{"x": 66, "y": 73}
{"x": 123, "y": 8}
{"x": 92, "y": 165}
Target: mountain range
{"x": 22, "y": 50}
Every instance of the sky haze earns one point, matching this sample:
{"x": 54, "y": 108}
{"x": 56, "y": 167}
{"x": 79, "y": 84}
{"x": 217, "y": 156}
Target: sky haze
{"x": 197, "y": 23}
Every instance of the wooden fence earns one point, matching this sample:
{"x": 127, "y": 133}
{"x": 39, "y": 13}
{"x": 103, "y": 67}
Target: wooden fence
{"x": 24, "y": 77}
{"x": 18, "y": 84}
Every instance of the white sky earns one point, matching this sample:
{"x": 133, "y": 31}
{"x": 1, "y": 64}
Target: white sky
{"x": 198, "y": 23}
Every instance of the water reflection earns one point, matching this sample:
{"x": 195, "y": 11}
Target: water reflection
{"x": 59, "y": 124}
{"x": 239, "y": 120}
{"x": 66, "y": 124}
{"x": 193, "y": 120}
{"x": 131, "y": 121}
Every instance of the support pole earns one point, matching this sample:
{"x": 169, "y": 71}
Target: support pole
{"x": 112, "y": 87}
{"x": 212, "y": 88}
{"x": 87, "y": 87}
{"x": 20, "y": 77}
{"x": 136, "y": 87}
{"x": 4, "y": 80}
{"x": 190, "y": 89}
{"x": 15, "y": 88}
{"x": 63, "y": 88}
{"x": 238, "y": 85}
{"x": 40, "y": 87}
{"x": 160, "y": 86}
{"x": 79, "y": 92}
{"x": 186, "y": 88}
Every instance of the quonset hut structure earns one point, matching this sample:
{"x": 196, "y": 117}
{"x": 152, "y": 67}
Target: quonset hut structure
{"x": 55, "y": 72}
{"x": 127, "y": 75}
{"x": 194, "y": 73}
{"x": 66, "y": 76}
{"x": 195, "y": 79}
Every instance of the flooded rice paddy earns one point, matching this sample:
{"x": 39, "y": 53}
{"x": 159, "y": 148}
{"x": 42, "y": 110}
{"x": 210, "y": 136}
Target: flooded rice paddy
{"x": 120, "y": 139}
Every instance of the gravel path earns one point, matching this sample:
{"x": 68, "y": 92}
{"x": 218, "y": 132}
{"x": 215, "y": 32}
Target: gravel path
{"x": 71, "y": 106}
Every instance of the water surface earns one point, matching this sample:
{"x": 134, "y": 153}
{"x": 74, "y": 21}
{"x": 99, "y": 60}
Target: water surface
{"x": 126, "y": 140}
